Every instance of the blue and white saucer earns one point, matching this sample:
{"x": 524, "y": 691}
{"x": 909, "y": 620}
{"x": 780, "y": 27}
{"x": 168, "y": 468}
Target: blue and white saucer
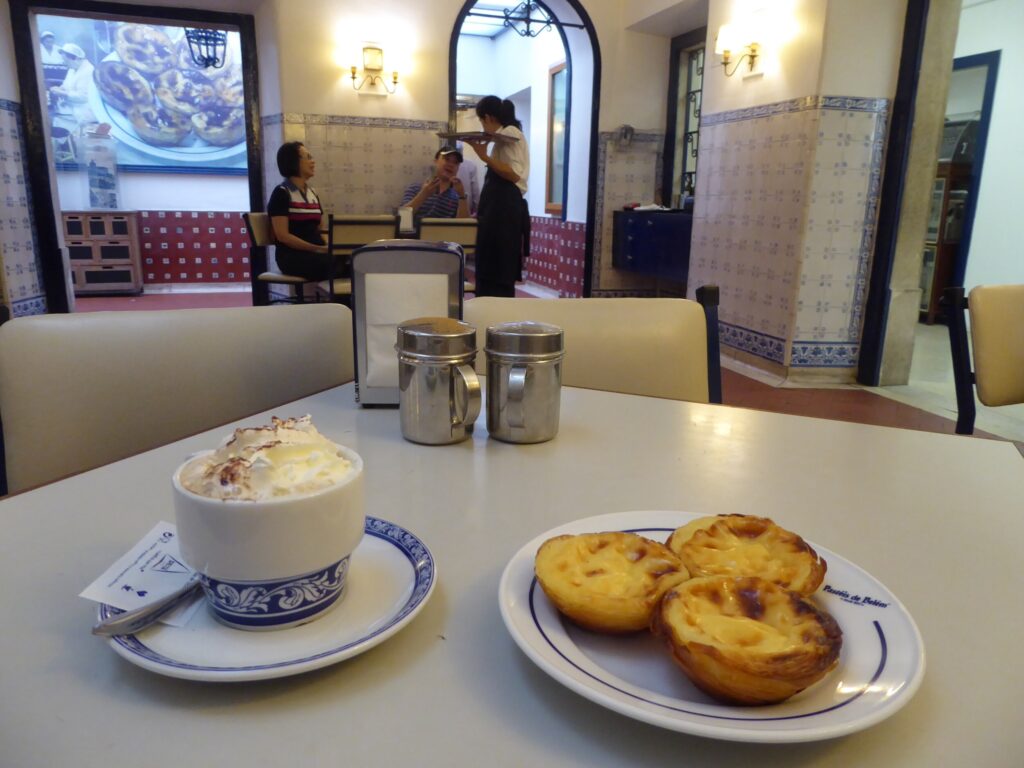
{"x": 391, "y": 577}
{"x": 880, "y": 668}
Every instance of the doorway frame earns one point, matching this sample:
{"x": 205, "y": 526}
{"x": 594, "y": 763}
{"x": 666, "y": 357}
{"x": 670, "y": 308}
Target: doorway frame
{"x": 48, "y": 250}
{"x": 595, "y": 108}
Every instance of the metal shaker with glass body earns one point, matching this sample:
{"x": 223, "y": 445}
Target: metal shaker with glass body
{"x": 524, "y": 381}
{"x": 438, "y": 390}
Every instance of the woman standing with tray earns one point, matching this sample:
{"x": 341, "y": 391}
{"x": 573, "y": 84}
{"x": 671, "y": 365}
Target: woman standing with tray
{"x": 503, "y": 221}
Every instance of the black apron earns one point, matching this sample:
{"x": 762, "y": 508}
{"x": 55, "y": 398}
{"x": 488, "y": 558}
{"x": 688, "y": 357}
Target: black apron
{"x": 502, "y": 234}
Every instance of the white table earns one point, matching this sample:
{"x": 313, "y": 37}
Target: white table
{"x": 939, "y": 519}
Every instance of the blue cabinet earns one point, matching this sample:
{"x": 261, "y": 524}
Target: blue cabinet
{"x": 653, "y": 243}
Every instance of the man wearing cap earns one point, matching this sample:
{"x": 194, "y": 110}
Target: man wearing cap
{"x": 49, "y": 53}
{"x": 442, "y": 195}
{"x": 75, "y": 87}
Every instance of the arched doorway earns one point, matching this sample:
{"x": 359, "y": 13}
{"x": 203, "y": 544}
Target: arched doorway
{"x": 582, "y": 96}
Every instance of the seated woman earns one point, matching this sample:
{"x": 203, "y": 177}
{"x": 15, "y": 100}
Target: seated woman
{"x": 295, "y": 215}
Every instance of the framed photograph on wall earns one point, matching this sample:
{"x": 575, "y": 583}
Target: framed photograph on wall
{"x": 166, "y": 113}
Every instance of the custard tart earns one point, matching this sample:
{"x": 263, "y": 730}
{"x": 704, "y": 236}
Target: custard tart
{"x": 145, "y": 48}
{"x": 744, "y": 640}
{"x": 742, "y": 545}
{"x": 221, "y": 126}
{"x": 159, "y": 125}
{"x": 607, "y": 582}
{"x": 121, "y": 86}
{"x": 185, "y": 91}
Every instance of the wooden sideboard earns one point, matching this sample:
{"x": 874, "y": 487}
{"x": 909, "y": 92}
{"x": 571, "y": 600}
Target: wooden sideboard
{"x": 103, "y": 247}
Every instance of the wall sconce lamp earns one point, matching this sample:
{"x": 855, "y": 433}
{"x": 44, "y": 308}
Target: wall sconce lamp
{"x": 728, "y": 42}
{"x": 373, "y": 63}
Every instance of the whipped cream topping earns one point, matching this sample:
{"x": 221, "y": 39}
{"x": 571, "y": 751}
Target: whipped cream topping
{"x": 288, "y": 458}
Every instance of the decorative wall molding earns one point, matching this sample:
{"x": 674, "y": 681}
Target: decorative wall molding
{"x": 841, "y": 103}
{"x": 824, "y": 354}
{"x": 756, "y": 343}
{"x": 299, "y": 118}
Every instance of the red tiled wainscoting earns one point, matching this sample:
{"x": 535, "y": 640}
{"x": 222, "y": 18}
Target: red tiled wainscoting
{"x": 556, "y": 255}
{"x": 193, "y": 247}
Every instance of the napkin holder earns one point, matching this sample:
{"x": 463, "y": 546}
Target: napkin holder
{"x": 394, "y": 281}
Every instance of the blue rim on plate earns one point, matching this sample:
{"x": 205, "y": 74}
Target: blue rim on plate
{"x": 880, "y": 669}
{"x": 422, "y": 577}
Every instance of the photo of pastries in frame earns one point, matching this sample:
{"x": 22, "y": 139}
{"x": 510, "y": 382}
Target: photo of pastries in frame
{"x": 165, "y": 111}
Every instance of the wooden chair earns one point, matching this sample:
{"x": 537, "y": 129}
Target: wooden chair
{"x": 656, "y": 347}
{"x": 997, "y": 336}
{"x": 345, "y": 233}
{"x": 261, "y": 235}
{"x": 461, "y": 231}
{"x": 81, "y": 390}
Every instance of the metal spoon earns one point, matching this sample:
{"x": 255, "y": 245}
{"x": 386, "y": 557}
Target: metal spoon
{"x": 130, "y": 622}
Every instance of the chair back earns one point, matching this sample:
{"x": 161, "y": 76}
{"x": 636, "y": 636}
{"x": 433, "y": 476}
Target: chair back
{"x": 997, "y": 334}
{"x": 81, "y": 390}
{"x": 261, "y": 233}
{"x": 461, "y": 231}
{"x": 654, "y": 347}
{"x": 346, "y": 232}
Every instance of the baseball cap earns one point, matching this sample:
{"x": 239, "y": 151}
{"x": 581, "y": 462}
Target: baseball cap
{"x": 72, "y": 50}
{"x": 445, "y": 151}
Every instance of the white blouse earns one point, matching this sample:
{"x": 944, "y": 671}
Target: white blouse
{"x": 515, "y": 154}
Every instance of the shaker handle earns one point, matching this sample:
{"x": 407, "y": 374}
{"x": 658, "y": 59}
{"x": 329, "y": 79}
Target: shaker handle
{"x": 470, "y": 401}
{"x": 516, "y": 390}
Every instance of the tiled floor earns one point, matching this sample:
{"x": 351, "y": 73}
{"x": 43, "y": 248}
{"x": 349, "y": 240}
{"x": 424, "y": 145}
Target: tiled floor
{"x": 931, "y": 386}
{"x": 927, "y": 403}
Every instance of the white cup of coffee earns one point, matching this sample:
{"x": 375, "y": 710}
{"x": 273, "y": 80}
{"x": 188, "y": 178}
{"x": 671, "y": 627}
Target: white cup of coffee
{"x": 271, "y": 529}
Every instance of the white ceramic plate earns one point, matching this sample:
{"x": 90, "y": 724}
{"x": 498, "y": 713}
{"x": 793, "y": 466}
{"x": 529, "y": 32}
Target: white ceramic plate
{"x": 391, "y": 577}
{"x": 880, "y": 668}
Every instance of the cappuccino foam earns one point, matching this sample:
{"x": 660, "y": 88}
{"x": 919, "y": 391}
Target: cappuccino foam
{"x": 287, "y": 458}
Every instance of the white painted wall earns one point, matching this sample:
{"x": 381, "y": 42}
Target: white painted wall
{"x": 851, "y": 28}
{"x": 797, "y": 46}
{"x": 161, "y": 192}
{"x": 665, "y": 17}
{"x": 995, "y": 255}
{"x": 317, "y": 41}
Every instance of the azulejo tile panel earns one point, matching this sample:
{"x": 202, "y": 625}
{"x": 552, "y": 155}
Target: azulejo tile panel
{"x": 557, "y": 254}
{"x": 786, "y": 203}
{"x": 363, "y": 163}
{"x": 627, "y": 172}
{"x": 193, "y": 247}
{"x": 23, "y": 289}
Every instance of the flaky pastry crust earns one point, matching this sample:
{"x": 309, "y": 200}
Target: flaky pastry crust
{"x": 744, "y": 640}
{"x": 743, "y": 545}
{"x": 607, "y": 582}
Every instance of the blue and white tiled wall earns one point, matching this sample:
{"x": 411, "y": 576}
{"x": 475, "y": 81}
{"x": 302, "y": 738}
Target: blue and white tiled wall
{"x": 786, "y": 203}
{"x": 627, "y": 172}
{"x": 363, "y": 163}
{"x": 22, "y": 287}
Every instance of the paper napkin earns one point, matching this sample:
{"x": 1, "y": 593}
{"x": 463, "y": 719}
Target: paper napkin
{"x": 150, "y": 570}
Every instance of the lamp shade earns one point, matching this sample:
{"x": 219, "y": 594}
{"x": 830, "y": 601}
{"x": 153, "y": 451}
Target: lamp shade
{"x": 727, "y": 39}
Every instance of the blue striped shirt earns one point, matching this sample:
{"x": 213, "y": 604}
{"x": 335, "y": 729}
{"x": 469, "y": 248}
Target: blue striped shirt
{"x": 439, "y": 205}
